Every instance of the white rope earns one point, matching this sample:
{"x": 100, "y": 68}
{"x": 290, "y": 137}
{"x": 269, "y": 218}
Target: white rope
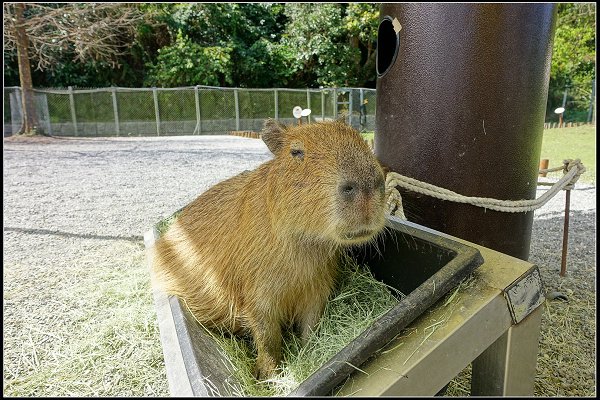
{"x": 572, "y": 169}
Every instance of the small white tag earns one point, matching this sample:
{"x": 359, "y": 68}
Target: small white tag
{"x": 397, "y": 25}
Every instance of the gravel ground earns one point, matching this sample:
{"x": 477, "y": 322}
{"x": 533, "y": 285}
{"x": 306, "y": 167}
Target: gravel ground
{"x": 78, "y": 315}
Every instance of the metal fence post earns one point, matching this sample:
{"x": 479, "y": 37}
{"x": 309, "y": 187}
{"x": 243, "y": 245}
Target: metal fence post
{"x": 156, "y": 112}
{"x": 276, "y": 94}
{"x": 237, "y": 109}
{"x": 322, "y": 105}
{"x": 73, "y": 115}
{"x": 591, "y": 108}
{"x": 362, "y": 96}
{"x": 350, "y": 105}
{"x": 360, "y": 116}
{"x": 308, "y": 102}
{"x": 335, "y": 103}
{"x": 115, "y": 110}
{"x": 19, "y": 110}
{"x": 198, "y": 117}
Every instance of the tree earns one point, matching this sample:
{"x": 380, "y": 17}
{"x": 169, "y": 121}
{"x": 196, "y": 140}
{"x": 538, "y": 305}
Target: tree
{"x": 43, "y": 32}
{"x": 334, "y": 44}
{"x": 21, "y": 39}
{"x": 573, "y": 59}
{"x": 184, "y": 63}
{"x": 362, "y": 23}
{"x": 248, "y": 32}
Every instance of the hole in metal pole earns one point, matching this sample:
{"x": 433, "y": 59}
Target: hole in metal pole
{"x": 388, "y": 42}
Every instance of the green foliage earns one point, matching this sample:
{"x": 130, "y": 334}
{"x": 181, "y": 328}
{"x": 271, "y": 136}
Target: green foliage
{"x": 329, "y": 41}
{"x": 11, "y": 69}
{"x": 362, "y": 22}
{"x": 250, "y": 32}
{"x": 289, "y": 45}
{"x": 187, "y": 63}
{"x": 573, "y": 61}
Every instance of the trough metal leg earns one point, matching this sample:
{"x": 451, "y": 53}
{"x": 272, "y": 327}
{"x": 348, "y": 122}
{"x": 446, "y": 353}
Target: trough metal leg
{"x": 507, "y": 367}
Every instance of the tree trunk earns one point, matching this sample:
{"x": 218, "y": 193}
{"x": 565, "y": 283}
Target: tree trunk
{"x": 30, "y": 121}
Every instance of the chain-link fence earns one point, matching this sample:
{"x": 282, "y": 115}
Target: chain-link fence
{"x": 196, "y": 110}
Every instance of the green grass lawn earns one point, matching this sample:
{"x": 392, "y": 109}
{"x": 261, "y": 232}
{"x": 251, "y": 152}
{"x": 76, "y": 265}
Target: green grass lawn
{"x": 578, "y": 142}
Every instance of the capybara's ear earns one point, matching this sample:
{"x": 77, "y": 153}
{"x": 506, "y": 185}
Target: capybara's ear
{"x": 272, "y": 134}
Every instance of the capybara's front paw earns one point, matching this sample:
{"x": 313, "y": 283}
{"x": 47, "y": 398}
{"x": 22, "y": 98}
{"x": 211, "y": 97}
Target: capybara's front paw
{"x": 265, "y": 368}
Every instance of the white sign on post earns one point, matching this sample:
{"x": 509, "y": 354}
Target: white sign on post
{"x": 297, "y": 111}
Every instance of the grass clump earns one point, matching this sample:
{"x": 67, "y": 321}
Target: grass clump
{"x": 358, "y": 301}
{"x": 164, "y": 224}
{"x": 91, "y": 328}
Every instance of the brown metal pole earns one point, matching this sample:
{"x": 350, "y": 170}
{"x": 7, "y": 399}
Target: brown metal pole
{"x": 563, "y": 264}
{"x": 461, "y": 102}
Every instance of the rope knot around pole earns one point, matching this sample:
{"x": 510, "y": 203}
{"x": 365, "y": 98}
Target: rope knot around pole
{"x": 570, "y": 164}
{"x": 572, "y": 168}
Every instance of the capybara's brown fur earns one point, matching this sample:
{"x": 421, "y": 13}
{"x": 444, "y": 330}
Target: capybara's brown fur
{"x": 259, "y": 251}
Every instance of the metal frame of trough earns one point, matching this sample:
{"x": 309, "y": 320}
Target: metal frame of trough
{"x": 495, "y": 326}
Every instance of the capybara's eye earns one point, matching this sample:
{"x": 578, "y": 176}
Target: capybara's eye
{"x": 297, "y": 153}
{"x": 348, "y": 189}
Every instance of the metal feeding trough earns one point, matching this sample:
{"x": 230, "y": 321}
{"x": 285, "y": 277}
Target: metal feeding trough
{"x": 412, "y": 259}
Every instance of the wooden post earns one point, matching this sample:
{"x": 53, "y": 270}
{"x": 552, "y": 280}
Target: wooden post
{"x": 560, "y": 120}
{"x": 544, "y": 165}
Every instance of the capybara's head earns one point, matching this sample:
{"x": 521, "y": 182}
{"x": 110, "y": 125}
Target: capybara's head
{"x": 325, "y": 183}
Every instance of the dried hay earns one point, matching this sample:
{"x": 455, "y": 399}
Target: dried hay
{"x": 358, "y": 301}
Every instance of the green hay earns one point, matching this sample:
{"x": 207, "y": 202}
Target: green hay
{"x": 358, "y": 301}
{"x": 163, "y": 225}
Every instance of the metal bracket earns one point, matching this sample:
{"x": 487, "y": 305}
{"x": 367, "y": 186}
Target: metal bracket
{"x": 525, "y": 294}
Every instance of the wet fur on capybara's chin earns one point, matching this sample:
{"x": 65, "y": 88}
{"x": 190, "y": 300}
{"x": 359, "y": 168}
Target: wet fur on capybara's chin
{"x": 260, "y": 250}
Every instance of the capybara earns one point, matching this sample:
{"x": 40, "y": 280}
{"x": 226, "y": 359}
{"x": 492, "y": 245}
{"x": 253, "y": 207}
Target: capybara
{"x": 258, "y": 252}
